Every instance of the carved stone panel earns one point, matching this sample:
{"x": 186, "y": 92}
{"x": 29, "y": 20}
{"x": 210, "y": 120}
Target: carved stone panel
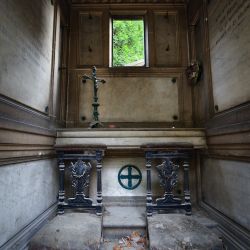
{"x": 166, "y": 38}
{"x": 229, "y": 35}
{"x": 90, "y": 39}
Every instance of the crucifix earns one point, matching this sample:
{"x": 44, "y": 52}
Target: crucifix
{"x": 96, "y": 82}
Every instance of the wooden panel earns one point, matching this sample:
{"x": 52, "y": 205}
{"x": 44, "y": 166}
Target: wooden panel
{"x": 26, "y": 33}
{"x": 81, "y": 60}
{"x": 193, "y": 8}
{"x": 232, "y": 138}
{"x": 230, "y": 51}
{"x": 199, "y": 97}
{"x": 73, "y": 96}
{"x": 19, "y": 117}
{"x": 19, "y": 146}
{"x": 23, "y": 138}
{"x": 166, "y": 38}
{"x": 90, "y": 44}
{"x": 231, "y": 121}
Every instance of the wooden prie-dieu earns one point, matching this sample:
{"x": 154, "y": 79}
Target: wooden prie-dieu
{"x": 171, "y": 156}
{"x": 80, "y": 160}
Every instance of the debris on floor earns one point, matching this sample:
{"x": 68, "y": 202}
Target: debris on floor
{"x": 134, "y": 241}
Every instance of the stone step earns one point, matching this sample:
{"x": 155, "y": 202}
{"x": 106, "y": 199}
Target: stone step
{"x": 114, "y": 244}
{"x": 111, "y": 233}
{"x": 119, "y": 222}
{"x": 116, "y": 216}
{"x": 124, "y": 201}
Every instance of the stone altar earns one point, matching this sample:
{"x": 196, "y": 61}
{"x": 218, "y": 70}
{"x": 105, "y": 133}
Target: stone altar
{"x": 123, "y": 147}
{"x": 124, "y": 139}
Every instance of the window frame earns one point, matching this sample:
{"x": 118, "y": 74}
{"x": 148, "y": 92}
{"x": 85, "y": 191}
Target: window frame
{"x": 126, "y": 16}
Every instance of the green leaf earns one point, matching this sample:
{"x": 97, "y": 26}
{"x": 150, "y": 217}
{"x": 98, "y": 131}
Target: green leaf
{"x": 128, "y": 41}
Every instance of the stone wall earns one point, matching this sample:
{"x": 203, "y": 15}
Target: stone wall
{"x": 219, "y": 39}
{"x": 29, "y": 111}
{"x": 26, "y": 51}
{"x": 230, "y": 52}
{"x": 27, "y": 190}
{"x": 225, "y": 186}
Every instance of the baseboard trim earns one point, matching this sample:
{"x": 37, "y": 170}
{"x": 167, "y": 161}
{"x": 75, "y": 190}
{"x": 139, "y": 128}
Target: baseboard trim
{"x": 234, "y": 235}
{"x": 22, "y": 238}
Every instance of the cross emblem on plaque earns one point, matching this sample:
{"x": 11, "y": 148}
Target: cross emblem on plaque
{"x": 129, "y": 177}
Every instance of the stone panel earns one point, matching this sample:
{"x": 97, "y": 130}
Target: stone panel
{"x": 26, "y": 31}
{"x": 225, "y": 186}
{"x": 133, "y": 99}
{"x": 230, "y": 51}
{"x": 110, "y": 184}
{"x": 27, "y": 190}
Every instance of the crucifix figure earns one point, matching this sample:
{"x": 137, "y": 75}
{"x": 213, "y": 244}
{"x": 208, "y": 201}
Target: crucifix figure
{"x": 96, "y": 82}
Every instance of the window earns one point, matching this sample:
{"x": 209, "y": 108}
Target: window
{"x": 128, "y": 42}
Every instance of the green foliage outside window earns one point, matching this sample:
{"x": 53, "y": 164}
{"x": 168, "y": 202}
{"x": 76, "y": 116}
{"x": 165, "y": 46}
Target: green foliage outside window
{"x": 128, "y": 42}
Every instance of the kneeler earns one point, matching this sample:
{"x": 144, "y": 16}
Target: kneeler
{"x": 171, "y": 156}
{"x": 81, "y": 158}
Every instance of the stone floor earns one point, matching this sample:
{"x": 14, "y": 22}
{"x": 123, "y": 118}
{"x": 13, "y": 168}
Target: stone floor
{"x": 71, "y": 231}
{"x": 178, "y": 231}
{"x": 123, "y": 226}
{"x": 127, "y": 228}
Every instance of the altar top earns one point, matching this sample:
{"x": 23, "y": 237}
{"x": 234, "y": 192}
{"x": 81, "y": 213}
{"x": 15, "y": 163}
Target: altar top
{"x": 131, "y": 138}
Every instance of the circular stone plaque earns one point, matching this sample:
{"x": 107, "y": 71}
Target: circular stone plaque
{"x": 129, "y": 177}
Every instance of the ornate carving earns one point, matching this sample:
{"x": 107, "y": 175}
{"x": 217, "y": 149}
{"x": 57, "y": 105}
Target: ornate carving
{"x": 168, "y": 174}
{"x": 80, "y": 173}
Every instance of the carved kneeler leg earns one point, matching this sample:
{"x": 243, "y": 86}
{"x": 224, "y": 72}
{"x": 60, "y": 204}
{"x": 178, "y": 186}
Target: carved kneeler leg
{"x": 99, "y": 183}
{"x": 61, "y": 193}
{"x": 186, "y": 187}
{"x": 149, "y": 191}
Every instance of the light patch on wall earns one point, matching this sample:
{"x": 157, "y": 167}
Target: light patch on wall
{"x": 26, "y": 30}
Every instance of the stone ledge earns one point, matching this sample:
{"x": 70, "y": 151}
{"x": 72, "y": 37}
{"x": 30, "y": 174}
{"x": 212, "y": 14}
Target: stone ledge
{"x": 130, "y": 139}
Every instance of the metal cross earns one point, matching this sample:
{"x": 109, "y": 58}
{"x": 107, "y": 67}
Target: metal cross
{"x": 130, "y": 177}
{"x": 96, "y": 82}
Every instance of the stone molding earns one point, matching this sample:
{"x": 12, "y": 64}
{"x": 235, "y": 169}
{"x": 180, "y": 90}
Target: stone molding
{"x": 126, "y": 1}
{"x": 22, "y": 238}
{"x": 234, "y": 235}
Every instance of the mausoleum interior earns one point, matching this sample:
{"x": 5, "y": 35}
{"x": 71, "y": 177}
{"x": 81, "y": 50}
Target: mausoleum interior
{"x": 124, "y": 124}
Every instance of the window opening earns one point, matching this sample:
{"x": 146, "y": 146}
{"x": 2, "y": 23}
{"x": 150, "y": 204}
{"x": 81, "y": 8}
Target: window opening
{"x": 128, "y": 42}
